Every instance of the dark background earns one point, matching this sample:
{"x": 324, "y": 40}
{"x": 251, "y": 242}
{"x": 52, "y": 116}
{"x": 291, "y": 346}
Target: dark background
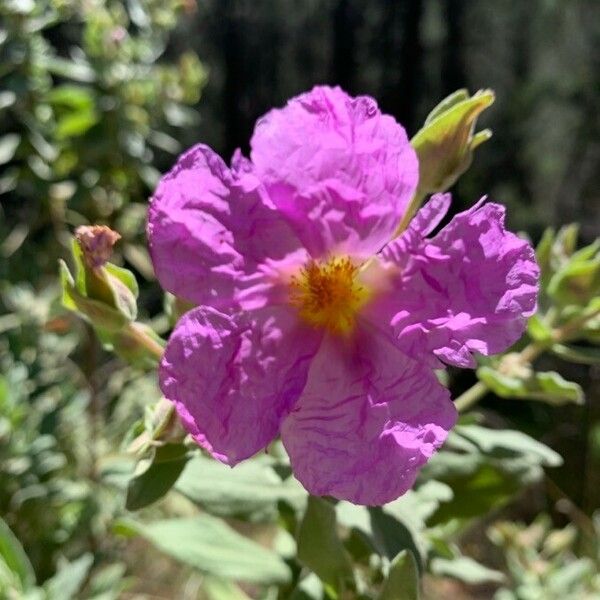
{"x": 541, "y": 57}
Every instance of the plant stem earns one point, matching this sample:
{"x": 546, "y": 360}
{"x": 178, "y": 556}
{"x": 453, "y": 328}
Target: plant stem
{"x": 471, "y": 396}
{"x": 562, "y": 334}
{"x": 411, "y": 211}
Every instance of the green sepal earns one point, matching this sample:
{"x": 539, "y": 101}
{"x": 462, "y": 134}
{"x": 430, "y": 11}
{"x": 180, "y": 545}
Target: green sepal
{"x": 102, "y": 316}
{"x": 446, "y": 142}
{"x": 106, "y": 295}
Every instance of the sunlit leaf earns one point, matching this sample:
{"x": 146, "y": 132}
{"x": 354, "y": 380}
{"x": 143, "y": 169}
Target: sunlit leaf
{"x": 69, "y": 579}
{"x": 466, "y": 569}
{"x": 251, "y": 489}
{"x": 8, "y": 147}
{"x": 403, "y": 579}
{"x": 211, "y": 546}
{"x": 548, "y": 387}
{"x": 585, "y": 355}
{"x": 14, "y": 557}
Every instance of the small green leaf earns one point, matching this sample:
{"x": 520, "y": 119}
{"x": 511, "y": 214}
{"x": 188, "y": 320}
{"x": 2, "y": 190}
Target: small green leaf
{"x": 14, "y": 557}
{"x": 156, "y": 476}
{"x": 547, "y": 387}
{"x": 74, "y": 124}
{"x": 309, "y": 588}
{"x": 319, "y": 546}
{"x": 501, "y": 441}
{"x": 73, "y": 96}
{"x": 577, "y": 283}
{"x": 585, "y": 355}
{"x": 7, "y": 99}
{"x": 8, "y": 147}
{"x": 538, "y": 329}
{"x": 466, "y": 569}
{"x": 216, "y": 588}
{"x": 70, "y": 578}
{"x": 402, "y": 582}
{"x": 211, "y": 546}
{"x": 68, "y": 69}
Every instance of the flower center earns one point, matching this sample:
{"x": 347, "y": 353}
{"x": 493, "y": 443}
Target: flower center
{"x": 328, "y": 294}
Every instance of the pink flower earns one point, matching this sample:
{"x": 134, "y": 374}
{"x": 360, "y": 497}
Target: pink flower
{"x": 312, "y": 321}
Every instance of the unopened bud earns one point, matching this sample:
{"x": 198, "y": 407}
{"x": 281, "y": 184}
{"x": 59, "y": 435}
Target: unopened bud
{"x": 96, "y": 242}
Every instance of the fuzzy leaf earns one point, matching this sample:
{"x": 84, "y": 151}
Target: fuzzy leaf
{"x": 547, "y": 387}
{"x": 403, "y": 579}
{"x": 211, "y": 546}
{"x": 319, "y": 547}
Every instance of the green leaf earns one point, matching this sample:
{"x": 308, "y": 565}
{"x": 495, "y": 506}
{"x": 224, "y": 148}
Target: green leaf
{"x": 68, "y": 69}
{"x": 445, "y": 143}
{"x": 75, "y": 124}
{"x": 538, "y": 329}
{"x": 577, "y": 283}
{"x": 479, "y": 483}
{"x": 220, "y": 589}
{"x": 69, "y": 579}
{"x": 547, "y": 387}
{"x": 565, "y": 243}
{"x": 402, "y": 582}
{"x": 211, "y": 546}
{"x": 319, "y": 546}
{"x": 14, "y": 557}
{"x": 8, "y": 147}
{"x": 251, "y": 489}
{"x": 466, "y": 569}
{"x": 386, "y": 530}
{"x": 7, "y": 99}
{"x": 73, "y": 96}
{"x": 308, "y": 588}
{"x": 154, "y": 477}
{"x": 499, "y": 442}
{"x": 585, "y": 355}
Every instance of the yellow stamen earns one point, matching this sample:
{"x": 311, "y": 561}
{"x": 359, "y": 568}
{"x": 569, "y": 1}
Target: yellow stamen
{"x": 329, "y": 294}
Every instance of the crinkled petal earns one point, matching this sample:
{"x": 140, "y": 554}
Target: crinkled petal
{"x": 233, "y": 378}
{"x": 210, "y": 227}
{"x": 341, "y": 172}
{"x": 366, "y": 422}
{"x": 469, "y": 289}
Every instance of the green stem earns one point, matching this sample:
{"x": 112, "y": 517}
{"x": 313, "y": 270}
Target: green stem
{"x": 473, "y": 395}
{"x": 411, "y": 211}
{"x": 562, "y": 334}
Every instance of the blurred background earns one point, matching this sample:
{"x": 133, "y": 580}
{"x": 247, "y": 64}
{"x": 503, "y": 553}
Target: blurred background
{"x": 97, "y": 97}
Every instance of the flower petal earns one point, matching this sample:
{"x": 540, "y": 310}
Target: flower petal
{"x": 469, "y": 289}
{"x": 202, "y": 228}
{"x": 340, "y": 171}
{"x": 232, "y": 379}
{"x": 366, "y": 421}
